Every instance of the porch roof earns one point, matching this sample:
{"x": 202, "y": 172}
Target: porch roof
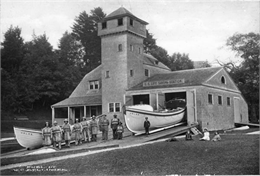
{"x": 92, "y": 100}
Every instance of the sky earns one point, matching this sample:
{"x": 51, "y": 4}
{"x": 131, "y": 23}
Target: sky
{"x": 198, "y": 28}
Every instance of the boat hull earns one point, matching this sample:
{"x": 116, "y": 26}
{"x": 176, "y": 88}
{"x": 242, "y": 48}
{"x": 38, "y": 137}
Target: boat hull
{"x": 28, "y": 138}
{"x": 134, "y": 119}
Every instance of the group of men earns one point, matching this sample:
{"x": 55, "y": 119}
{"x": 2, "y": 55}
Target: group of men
{"x": 85, "y": 131}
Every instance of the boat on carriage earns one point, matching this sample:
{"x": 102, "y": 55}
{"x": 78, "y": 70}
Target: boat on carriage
{"x": 135, "y": 116}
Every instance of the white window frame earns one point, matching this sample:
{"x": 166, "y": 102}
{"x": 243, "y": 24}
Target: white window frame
{"x": 212, "y": 99}
{"x": 221, "y": 100}
{"x": 147, "y": 71}
{"x": 131, "y": 47}
{"x": 229, "y": 101}
{"x": 114, "y": 106}
{"x": 94, "y": 83}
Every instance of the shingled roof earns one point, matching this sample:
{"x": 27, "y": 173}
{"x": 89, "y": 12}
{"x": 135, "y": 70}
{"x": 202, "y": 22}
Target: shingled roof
{"x": 180, "y": 78}
{"x": 79, "y": 101}
{"x": 122, "y": 12}
{"x": 150, "y": 60}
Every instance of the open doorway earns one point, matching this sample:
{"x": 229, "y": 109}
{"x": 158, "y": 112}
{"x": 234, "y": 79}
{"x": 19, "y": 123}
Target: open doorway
{"x": 175, "y": 100}
{"x": 141, "y": 99}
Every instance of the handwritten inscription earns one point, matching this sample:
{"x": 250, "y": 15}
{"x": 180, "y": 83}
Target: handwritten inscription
{"x": 164, "y": 82}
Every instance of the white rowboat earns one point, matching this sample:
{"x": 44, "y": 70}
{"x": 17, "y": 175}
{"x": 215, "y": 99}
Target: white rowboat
{"x": 28, "y": 138}
{"x": 135, "y": 117}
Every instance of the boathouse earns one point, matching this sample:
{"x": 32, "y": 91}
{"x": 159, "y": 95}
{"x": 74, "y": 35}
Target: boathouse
{"x": 128, "y": 76}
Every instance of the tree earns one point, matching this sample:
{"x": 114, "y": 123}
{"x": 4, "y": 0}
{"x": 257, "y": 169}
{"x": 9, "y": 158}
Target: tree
{"x": 180, "y": 61}
{"x": 71, "y": 51}
{"x": 149, "y": 42}
{"x": 161, "y": 54}
{"x": 246, "y": 74}
{"x": 12, "y": 51}
{"x": 85, "y": 30}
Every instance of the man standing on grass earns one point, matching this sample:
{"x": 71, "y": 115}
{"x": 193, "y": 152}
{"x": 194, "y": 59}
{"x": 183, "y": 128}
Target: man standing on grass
{"x": 46, "y": 135}
{"x": 120, "y": 130}
{"x": 94, "y": 128}
{"x": 103, "y": 126}
{"x": 77, "y": 128}
{"x": 56, "y": 133}
{"x": 114, "y": 124}
{"x": 147, "y": 125}
{"x": 66, "y": 132}
{"x": 84, "y": 125}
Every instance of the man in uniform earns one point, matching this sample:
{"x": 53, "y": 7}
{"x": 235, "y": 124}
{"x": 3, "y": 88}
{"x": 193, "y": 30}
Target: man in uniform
{"x": 66, "y": 132}
{"x": 46, "y": 135}
{"x": 146, "y": 125}
{"x": 56, "y": 133}
{"x": 103, "y": 126}
{"x": 85, "y": 127}
{"x": 114, "y": 124}
{"x": 120, "y": 130}
{"x": 77, "y": 128}
{"x": 94, "y": 128}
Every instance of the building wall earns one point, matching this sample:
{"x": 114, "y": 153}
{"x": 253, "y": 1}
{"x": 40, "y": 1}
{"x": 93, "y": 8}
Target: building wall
{"x": 215, "y": 116}
{"x": 155, "y": 70}
{"x": 83, "y": 87}
{"x": 116, "y": 63}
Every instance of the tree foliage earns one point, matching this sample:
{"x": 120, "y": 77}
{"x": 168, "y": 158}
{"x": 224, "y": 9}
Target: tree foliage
{"x": 180, "y": 61}
{"x": 246, "y": 74}
{"x": 85, "y": 30}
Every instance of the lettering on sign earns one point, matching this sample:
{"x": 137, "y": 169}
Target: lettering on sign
{"x": 165, "y": 82}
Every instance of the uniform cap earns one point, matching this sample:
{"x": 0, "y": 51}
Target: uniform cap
{"x": 55, "y": 122}
{"x": 66, "y": 120}
{"x": 115, "y": 115}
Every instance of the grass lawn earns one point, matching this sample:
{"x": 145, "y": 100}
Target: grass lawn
{"x": 236, "y": 154}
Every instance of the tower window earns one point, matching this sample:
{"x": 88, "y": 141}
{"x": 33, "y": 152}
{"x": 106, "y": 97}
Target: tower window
{"x": 139, "y": 50}
{"x": 223, "y": 80}
{"x": 131, "y": 48}
{"x": 120, "y": 22}
{"x": 131, "y": 73}
{"x": 131, "y": 22}
{"x": 104, "y": 25}
{"x": 120, "y": 48}
{"x": 107, "y": 74}
{"x": 210, "y": 99}
{"x": 220, "y": 100}
{"x": 146, "y": 72}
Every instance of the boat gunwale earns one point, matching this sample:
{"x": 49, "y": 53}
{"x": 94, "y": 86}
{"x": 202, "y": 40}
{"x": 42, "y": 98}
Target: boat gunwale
{"x": 28, "y": 129}
{"x": 155, "y": 113}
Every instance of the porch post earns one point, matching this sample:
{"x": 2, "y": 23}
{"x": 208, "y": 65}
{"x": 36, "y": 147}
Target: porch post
{"x": 52, "y": 114}
{"x": 85, "y": 111}
{"x": 68, "y": 113}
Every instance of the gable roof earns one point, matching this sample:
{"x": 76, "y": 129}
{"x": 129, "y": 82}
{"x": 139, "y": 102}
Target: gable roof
{"x": 79, "y": 101}
{"x": 180, "y": 78}
{"x": 150, "y": 60}
{"x": 122, "y": 12}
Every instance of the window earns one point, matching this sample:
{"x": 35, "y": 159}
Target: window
{"x": 120, "y": 48}
{"x": 93, "y": 85}
{"x": 131, "y": 73}
{"x": 117, "y": 105}
{"x": 223, "y": 80}
{"x": 146, "y": 72}
{"x": 228, "y": 101}
{"x": 120, "y": 22}
{"x": 107, "y": 74}
{"x": 210, "y": 98}
{"x": 104, "y": 25}
{"x": 220, "y": 100}
{"x": 131, "y": 22}
{"x": 131, "y": 48}
{"x": 114, "y": 107}
{"x": 139, "y": 51}
{"x": 111, "y": 107}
